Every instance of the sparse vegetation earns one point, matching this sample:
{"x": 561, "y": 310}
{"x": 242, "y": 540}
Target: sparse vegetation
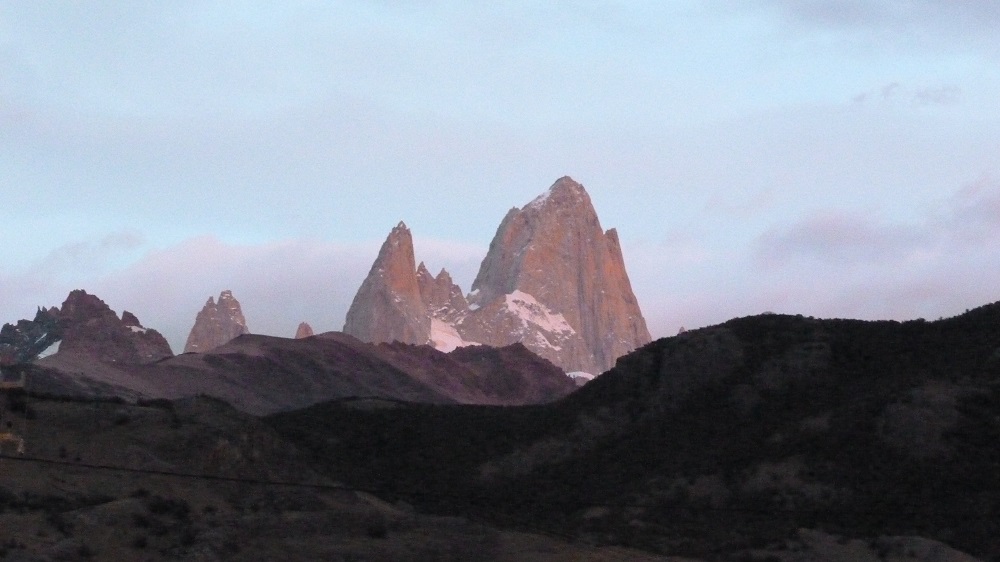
{"x": 790, "y": 417}
{"x": 722, "y": 443}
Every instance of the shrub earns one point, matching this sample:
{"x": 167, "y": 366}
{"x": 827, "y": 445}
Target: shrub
{"x": 376, "y": 527}
{"x": 159, "y": 505}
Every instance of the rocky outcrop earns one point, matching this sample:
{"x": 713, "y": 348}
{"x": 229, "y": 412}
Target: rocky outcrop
{"x": 216, "y": 324}
{"x": 553, "y": 280}
{"x": 388, "y": 307}
{"x": 24, "y": 341}
{"x": 89, "y": 327}
{"x": 304, "y": 331}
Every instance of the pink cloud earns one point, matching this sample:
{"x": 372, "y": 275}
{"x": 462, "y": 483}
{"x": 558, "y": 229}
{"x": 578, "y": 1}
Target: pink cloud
{"x": 843, "y": 238}
{"x": 278, "y": 284}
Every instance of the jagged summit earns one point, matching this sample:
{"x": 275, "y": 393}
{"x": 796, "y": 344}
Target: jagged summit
{"x": 84, "y": 326}
{"x": 553, "y": 279}
{"x": 565, "y": 191}
{"x": 216, "y": 324}
{"x": 388, "y": 306}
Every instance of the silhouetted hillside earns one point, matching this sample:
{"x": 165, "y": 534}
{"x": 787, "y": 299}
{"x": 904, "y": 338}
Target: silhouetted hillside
{"x": 717, "y": 441}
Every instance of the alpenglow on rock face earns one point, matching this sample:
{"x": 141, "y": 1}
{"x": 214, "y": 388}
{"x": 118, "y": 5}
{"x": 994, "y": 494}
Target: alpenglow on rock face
{"x": 303, "y": 331}
{"x": 552, "y": 280}
{"x": 216, "y": 324}
{"x": 388, "y": 306}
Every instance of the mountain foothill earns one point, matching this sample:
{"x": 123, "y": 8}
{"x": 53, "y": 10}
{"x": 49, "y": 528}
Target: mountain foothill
{"x": 441, "y": 424}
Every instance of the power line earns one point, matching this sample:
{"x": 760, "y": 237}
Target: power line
{"x": 466, "y": 497}
{"x": 609, "y": 550}
{"x": 190, "y": 475}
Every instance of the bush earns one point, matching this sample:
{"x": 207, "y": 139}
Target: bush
{"x": 159, "y": 505}
{"x": 376, "y": 527}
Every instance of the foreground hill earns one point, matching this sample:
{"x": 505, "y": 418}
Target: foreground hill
{"x": 265, "y": 374}
{"x": 195, "y": 480}
{"x": 752, "y": 438}
{"x": 101, "y": 356}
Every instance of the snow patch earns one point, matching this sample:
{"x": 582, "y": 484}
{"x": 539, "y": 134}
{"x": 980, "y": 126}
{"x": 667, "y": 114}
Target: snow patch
{"x": 532, "y": 312}
{"x": 540, "y": 200}
{"x": 50, "y": 350}
{"x": 137, "y": 329}
{"x": 445, "y": 338}
{"x": 580, "y": 375}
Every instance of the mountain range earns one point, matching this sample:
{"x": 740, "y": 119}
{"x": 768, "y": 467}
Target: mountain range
{"x": 766, "y": 438}
{"x": 771, "y": 437}
{"x": 263, "y": 374}
{"x": 552, "y": 280}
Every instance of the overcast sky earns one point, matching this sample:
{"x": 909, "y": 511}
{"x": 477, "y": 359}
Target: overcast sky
{"x": 834, "y": 159}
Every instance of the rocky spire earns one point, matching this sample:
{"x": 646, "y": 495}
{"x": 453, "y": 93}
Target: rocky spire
{"x": 216, "y": 324}
{"x": 554, "y": 250}
{"x": 304, "y": 331}
{"x": 442, "y": 297}
{"x": 388, "y": 306}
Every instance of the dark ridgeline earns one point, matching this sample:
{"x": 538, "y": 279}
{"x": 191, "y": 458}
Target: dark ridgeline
{"x": 717, "y": 440}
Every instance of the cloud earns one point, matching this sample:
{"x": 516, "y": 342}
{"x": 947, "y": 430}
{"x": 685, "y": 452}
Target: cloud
{"x": 895, "y": 92}
{"x": 884, "y": 28}
{"x": 967, "y": 221}
{"x": 944, "y": 15}
{"x": 35, "y": 284}
{"x": 972, "y": 215}
{"x": 88, "y": 257}
{"x": 944, "y": 95}
{"x": 890, "y": 90}
{"x": 830, "y": 263}
{"x": 278, "y": 284}
{"x": 872, "y": 267}
{"x": 840, "y": 237}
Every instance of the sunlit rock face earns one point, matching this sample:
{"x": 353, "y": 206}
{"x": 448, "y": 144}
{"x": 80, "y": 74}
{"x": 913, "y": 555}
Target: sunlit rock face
{"x": 388, "y": 306}
{"x": 303, "y": 331}
{"x": 552, "y": 280}
{"x": 216, "y": 324}
{"x": 442, "y": 297}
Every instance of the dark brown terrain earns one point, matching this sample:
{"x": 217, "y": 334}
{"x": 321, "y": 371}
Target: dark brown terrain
{"x": 770, "y": 438}
{"x": 207, "y": 482}
{"x": 751, "y": 440}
